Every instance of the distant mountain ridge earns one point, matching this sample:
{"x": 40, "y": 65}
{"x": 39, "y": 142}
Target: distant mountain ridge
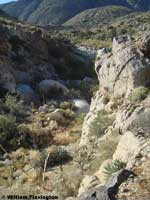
{"x": 49, "y": 12}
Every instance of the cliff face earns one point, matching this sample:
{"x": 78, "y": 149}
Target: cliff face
{"x": 120, "y": 72}
{"x": 117, "y": 126}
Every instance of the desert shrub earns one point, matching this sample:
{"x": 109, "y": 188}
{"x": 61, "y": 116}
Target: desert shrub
{"x": 85, "y": 156}
{"x": 15, "y": 107}
{"x": 92, "y": 156}
{"x": 55, "y": 155}
{"x": 105, "y": 99}
{"x": 68, "y": 114}
{"x": 7, "y": 128}
{"x": 34, "y": 135}
{"x": 66, "y": 105}
{"x": 10, "y": 137}
{"x": 113, "y": 167}
{"x": 138, "y": 94}
{"x": 80, "y": 118}
{"x": 13, "y": 112}
{"x": 101, "y": 123}
{"x": 105, "y": 149}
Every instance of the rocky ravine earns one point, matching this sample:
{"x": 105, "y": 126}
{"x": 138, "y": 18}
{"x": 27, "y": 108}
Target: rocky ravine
{"x": 46, "y": 73}
{"x": 117, "y": 126}
{"x": 113, "y": 156}
{"x": 29, "y": 55}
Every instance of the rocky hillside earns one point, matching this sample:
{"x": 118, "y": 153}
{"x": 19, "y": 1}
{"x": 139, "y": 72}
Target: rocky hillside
{"x": 98, "y": 16}
{"x": 30, "y": 55}
{"x": 45, "y": 88}
{"x": 101, "y": 35}
{"x": 52, "y": 142}
{"x": 50, "y": 12}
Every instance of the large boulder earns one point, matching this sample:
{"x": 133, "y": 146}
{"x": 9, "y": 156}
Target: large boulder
{"x": 87, "y": 183}
{"x": 135, "y": 120}
{"x": 128, "y": 149}
{"x": 51, "y": 88}
{"x": 123, "y": 69}
{"x": 26, "y": 92}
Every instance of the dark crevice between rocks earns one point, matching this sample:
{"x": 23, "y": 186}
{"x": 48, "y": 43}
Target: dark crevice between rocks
{"x": 116, "y": 181}
{"x": 110, "y": 190}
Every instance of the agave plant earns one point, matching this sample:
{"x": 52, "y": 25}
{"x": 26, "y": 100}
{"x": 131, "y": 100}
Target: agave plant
{"x": 115, "y": 166}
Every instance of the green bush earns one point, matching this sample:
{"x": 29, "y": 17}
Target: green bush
{"x": 80, "y": 118}
{"x": 66, "y": 105}
{"x": 101, "y": 123}
{"x": 15, "y": 107}
{"x": 105, "y": 99}
{"x": 13, "y": 113}
{"x": 138, "y": 94}
{"x": 115, "y": 166}
{"x": 8, "y": 128}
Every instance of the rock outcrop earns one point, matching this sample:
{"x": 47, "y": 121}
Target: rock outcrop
{"x": 124, "y": 76}
{"x": 123, "y": 69}
{"x": 119, "y": 73}
{"x": 108, "y": 191}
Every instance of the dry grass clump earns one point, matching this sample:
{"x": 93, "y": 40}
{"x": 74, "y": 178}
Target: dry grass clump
{"x": 65, "y": 138}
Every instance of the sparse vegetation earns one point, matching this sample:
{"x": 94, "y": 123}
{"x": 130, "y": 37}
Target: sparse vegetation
{"x": 8, "y": 128}
{"x": 96, "y": 43}
{"x": 56, "y": 156}
{"x": 138, "y": 94}
{"x": 15, "y": 107}
{"x": 101, "y": 123}
{"x": 66, "y": 105}
{"x": 97, "y": 15}
{"x": 79, "y": 120}
{"x": 105, "y": 99}
{"x": 13, "y": 112}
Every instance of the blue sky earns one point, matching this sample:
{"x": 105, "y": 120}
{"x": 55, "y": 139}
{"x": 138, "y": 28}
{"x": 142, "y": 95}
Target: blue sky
{"x": 5, "y": 1}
